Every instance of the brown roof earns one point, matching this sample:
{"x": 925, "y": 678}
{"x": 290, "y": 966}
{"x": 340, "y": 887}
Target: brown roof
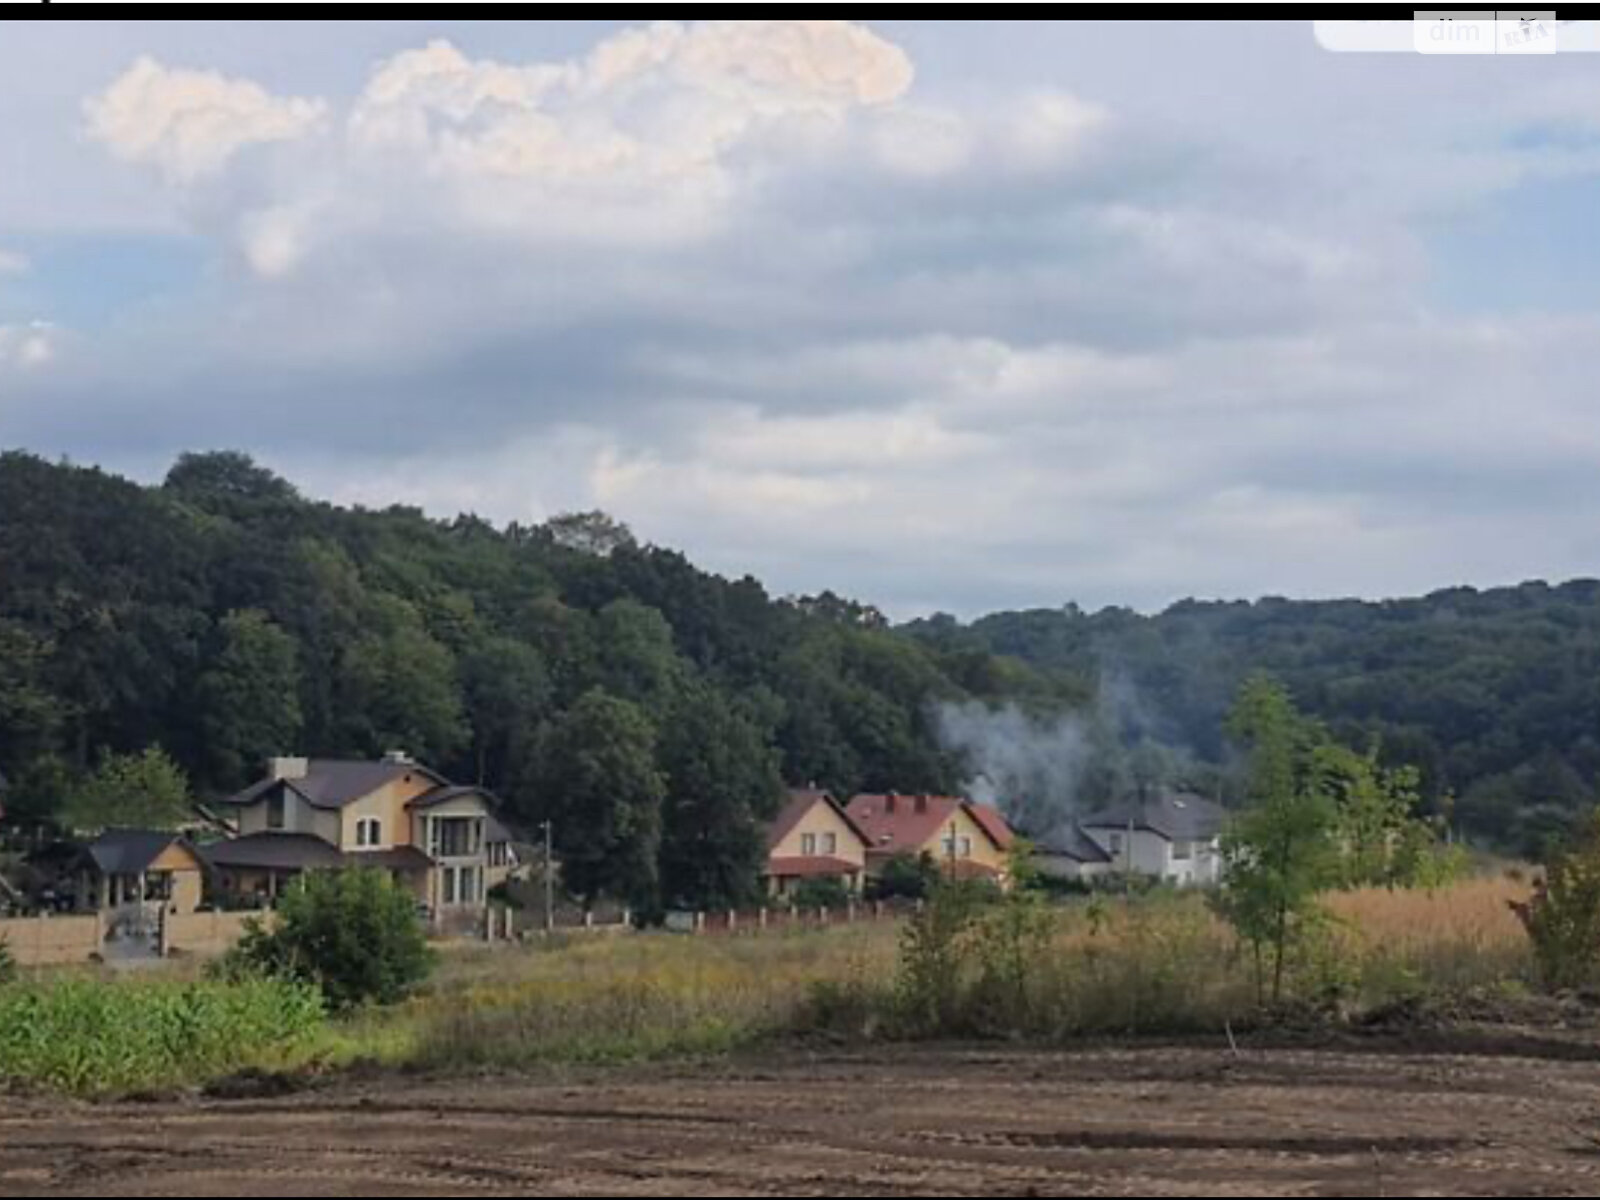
{"x": 898, "y": 824}
{"x": 811, "y": 866}
{"x": 994, "y": 824}
{"x": 273, "y": 851}
{"x": 800, "y": 802}
{"x": 336, "y": 782}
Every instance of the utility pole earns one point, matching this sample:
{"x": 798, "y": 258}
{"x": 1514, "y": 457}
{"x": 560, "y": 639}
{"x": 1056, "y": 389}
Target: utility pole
{"x": 549, "y": 882}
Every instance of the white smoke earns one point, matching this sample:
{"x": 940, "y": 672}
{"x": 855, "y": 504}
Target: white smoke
{"x": 1033, "y": 769}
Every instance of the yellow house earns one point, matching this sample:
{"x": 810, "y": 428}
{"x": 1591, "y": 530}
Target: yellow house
{"x": 965, "y": 839}
{"x": 813, "y": 837}
{"x": 128, "y": 868}
{"x": 443, "y": 842}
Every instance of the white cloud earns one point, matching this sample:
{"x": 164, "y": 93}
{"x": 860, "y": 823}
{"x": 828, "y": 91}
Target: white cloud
{"x": 29, "y": 346}
{"x": 189, "y": 124}
{"x": 13, "y": 262}
{"x": 747, "y": 285}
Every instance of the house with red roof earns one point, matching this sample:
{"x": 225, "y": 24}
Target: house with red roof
{"x": 814, "y": 837}
{"x": 968, "y": 840}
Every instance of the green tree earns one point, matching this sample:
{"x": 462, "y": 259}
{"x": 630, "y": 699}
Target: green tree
{"x": 598, "y": 775}
{"x": 356, "y": 934}
{"x": 722, "y": 787}
{"x": 1563, "y": 916}
{"x": 508, "y": 691}
{"x": 249, "y": 697}
{"x": 145, "y": 791}
{"x": 1279, "y": 855}
{"x": 400, "y": 687}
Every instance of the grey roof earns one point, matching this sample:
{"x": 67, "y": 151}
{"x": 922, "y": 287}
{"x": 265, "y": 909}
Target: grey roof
{"x": 396, "y": 858}
{"x": 336, "y": 782}
{"x": 1074, "y": 843}
{"x": 448, "y": 792}
{"x": 274, "y": 852}
{"x": 1172, "y": 815}
{"x": 129, "y": 851}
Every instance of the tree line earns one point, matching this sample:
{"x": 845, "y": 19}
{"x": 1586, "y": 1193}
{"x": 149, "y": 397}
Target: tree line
{"x": 158, "y": 643}
{"x": 1493, "y": 695}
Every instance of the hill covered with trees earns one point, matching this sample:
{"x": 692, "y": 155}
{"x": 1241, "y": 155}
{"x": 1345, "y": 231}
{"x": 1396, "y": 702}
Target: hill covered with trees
{"x": 649, "y": 708}
{"x": 1494, "y": 695}
{"x": 653, "y": 710}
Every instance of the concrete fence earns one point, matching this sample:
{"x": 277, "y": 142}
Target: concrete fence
{"x": 207, "y": 933}
{"x": 52, "y": 940}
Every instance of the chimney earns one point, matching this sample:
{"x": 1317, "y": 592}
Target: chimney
{"x": 922, "y": 804}
{"x": 888, "y": 803}
{"x": 398, "y": 757}
{"x": 288, "y": 768}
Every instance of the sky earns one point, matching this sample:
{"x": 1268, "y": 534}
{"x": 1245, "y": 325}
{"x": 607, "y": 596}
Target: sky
{"x": 945, "y": 316}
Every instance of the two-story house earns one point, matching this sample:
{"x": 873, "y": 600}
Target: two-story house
{"x": 813, "y": 837}
{"x": 967, "y": 840}
{"x": 443, "y": 842}
{"x": 1167, "y": 835}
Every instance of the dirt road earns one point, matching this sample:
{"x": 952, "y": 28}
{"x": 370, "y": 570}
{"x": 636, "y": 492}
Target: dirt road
{"x": 944, "y": 1122}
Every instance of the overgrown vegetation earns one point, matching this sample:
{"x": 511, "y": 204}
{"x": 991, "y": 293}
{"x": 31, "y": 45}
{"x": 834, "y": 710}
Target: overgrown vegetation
{"x": 8, "y": 963}
{"x": 1563, "y": 915}
{"x": 87, "y": 1036}
{"x": 354, "y": 935}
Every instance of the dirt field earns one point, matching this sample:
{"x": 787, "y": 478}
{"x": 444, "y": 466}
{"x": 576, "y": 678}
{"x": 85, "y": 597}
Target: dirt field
{"x": 946, "y": 1122}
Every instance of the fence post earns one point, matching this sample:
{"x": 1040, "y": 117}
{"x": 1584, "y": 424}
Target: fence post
{"x": 761, "y": 917}
{"x": 163, "y": 942}
{"x": 877, "y": 910}
{"x": 733, "y": 921}
{"x": 850, "y": 912}
{"x": 511, "y": 928}
{"x": 588, "y": 918}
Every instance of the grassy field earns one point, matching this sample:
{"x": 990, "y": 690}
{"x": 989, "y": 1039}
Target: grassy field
{"x": 1160, "y": 964}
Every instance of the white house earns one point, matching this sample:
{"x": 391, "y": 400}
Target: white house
{"x": 1171, "y": 836}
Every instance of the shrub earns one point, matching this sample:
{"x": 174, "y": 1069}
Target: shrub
{"x": 8, "y": 964}
{"x": 820, "y": 893}
{"x": 1563, "y": 915}
{"x": 907, "y": 877}
{"x": 355, "y": 934}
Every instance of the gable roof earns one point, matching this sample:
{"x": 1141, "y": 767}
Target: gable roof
{"x": 897, "y": 824}
{"x": 1168, "y": 814}
{"x": 1075, "y": 844}
{"x": 131, "y": 851}
{"x": 336, "y": 782}
{"x": 994, "y": 824}
{"x": 451, "y": 791}
{"x": 800, "y": 802}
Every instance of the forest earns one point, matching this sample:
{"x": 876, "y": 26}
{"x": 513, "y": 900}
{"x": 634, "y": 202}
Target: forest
{"x": 187, "y": 631}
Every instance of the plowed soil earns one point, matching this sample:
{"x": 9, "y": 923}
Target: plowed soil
{"x": 1131, "y": 1122}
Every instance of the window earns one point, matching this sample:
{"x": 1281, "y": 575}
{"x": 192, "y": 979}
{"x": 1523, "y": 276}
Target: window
{"x": 369, "y": 832}
{"x": 499, "y": 854}
{"x": 276, "y": 809}
{"x": 1182, "y": 851}
{"x": 808, "y": 844}
{"x": 966, "y": 847}
{"x": 456, "y": 837}
{"x": 1116, "y": 843}
{"x": 449, "y": 885}
{"x": 830, "y": 843}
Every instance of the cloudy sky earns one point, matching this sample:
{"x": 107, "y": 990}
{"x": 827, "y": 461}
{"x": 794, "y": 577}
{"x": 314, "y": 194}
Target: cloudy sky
{"x": 946, "y": 316}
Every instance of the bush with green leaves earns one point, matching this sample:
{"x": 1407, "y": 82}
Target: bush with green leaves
{"x": 907, "y": 877}
{"x": 820, "y": 893}
{"x": 1563, "y": 915}
{"x": 355, "y": 934}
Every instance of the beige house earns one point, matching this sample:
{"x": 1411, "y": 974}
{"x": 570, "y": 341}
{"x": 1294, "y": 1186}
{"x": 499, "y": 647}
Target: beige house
{"x": 138, "y": 869}
{"x": 967, "y": 840}
{"x": 813, "y": 837}
{"x": 443, "y": 842}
